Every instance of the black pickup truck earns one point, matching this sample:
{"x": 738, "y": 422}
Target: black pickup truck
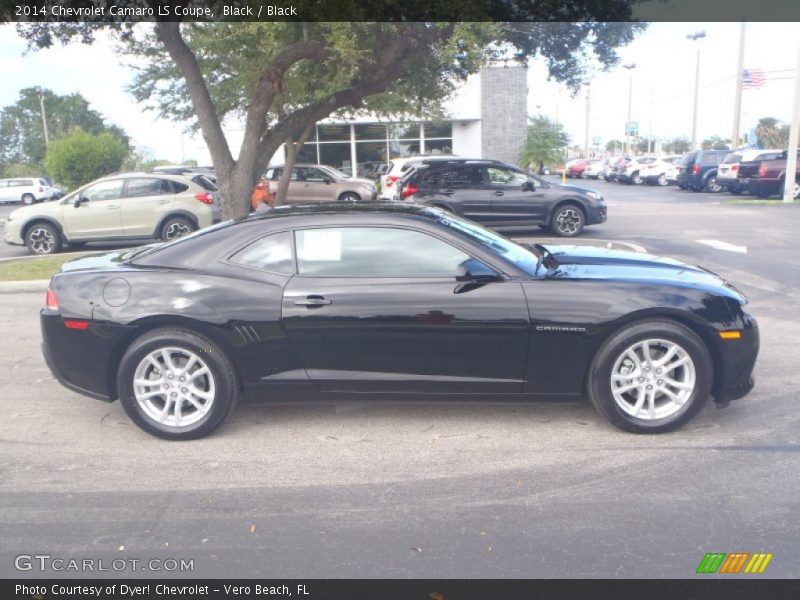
{"x": 764, "y": 178}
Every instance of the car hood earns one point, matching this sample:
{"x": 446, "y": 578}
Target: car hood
{"x": 570, "y": 188}
{"x": 592, "y": 262}
{"x": 360, "y": 180}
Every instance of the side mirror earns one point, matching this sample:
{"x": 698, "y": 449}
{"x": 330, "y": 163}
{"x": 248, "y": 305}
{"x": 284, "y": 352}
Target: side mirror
{"x": 472, "y": 270}
{"x": 80, "y": 200}
{"x": 529, "y": 186}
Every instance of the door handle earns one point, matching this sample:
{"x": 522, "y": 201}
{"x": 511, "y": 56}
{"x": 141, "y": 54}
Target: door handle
{"x": 112, "y": 206}
{"x": 498, "y": 193}
{"x": 164, "y": 201}
{"x": 313, "y": 301}
{"x": 448, "y": 192}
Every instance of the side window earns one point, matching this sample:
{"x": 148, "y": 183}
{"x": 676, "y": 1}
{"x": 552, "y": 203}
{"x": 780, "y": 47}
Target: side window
{"x": 106, "y": 190}
{"x": 272, "y": 253}
{"x": 138, "y": 188}
{"x": 316, "y": 176}
{"x": 374, "y": 252}
{"x": 179, "y": 188}
{"x": 506, "y": 177}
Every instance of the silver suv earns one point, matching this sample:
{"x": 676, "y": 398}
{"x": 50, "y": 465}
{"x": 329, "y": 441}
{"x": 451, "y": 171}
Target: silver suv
{"x": 25, "y": 189}
{"x": 124, "y": 206}
{"x": 321, "y": 183}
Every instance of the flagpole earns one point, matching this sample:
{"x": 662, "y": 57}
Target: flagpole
{"x": 737, "y": 107}
{"x": 794, "y": 130}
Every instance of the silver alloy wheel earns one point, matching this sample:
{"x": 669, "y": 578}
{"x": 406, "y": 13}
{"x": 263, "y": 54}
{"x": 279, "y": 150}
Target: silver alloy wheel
{"x": 796, "y": 191}
{"x": 42, "y": 240}
{"x": 637, "y": 179}
{"x": 653, "y": 379}
{"x": 176, "y": 230}
{"x": 662, "y": 179}
{"x": 174, "y": 387}
{"x": 28, "y": 199}
{"x": 713, "y": 186}
{"x": 568, "y": 221}
{"x": 350, "y": 197}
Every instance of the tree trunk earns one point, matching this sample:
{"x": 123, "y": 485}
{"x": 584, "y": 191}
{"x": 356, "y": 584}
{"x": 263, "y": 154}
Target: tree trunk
{"x": 292, "y": 149}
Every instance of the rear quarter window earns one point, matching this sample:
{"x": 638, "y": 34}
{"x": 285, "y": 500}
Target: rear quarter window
{"x": 689, "y": 159}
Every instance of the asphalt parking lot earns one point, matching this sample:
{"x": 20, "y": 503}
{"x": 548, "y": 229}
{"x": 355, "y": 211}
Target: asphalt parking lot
{"x": 429, "y": 488}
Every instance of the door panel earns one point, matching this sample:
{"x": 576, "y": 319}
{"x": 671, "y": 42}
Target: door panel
{"x": 146, "y": 200}
{"x": 98, "y": 216}
{"x": 513, "y": 200}
{"x": 408, "y": 334}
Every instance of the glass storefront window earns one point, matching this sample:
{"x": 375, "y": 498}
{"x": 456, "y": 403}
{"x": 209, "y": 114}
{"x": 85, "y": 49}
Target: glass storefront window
{"x": 307, "y": 154}
{"x": 438, "y": 130}
{"x": 404, "y": 131}
{"x": 334, "y": 133}
{"x": 336, "y": 155}
{"x": 374, "y": 132}
{"x": 438, "y": 146}
{"x": 370, "y": 156}
{"x": 402, "y": 149}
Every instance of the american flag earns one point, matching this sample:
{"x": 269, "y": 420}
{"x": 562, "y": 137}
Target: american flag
{"x": 753, "y": 79}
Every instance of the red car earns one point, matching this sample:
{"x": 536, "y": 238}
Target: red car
{"x": 576, "y": 169}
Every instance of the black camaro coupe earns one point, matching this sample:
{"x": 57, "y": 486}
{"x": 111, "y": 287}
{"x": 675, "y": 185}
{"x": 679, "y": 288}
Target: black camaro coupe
{"x": 391, "y": 299}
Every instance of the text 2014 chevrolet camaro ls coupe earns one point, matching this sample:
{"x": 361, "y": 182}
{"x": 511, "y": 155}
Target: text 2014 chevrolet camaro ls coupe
{"x": 391, "y": 299}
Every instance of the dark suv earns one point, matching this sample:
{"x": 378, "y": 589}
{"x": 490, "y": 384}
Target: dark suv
{"x": 502, "y": 196}
{"x": 699, "y": 170}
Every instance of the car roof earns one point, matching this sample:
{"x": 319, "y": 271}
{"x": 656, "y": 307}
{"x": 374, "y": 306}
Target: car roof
{"x": 150, "y": 174}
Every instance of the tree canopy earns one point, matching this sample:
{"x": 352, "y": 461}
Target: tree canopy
{"x": 545, "y": 144}
{"x": 81, "y": 157}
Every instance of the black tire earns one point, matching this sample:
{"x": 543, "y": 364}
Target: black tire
{"x": 712, "y": 185}
{"x": 662, "y": 180}
{"x": 349, "y": 197}
{"x": 682, "y": 186}
{"x": 568, "y": 220}
{"x": 226, "y": 383}
{"x": 176, "y": 227}
{"x": 636, "y": 179}
{"x": 599, "y": 387}
{"x": 43, "y": 238}
{"x": 601, "y": 176}
{"x": 735, "y": 190}
{"x": 28, "y": 199}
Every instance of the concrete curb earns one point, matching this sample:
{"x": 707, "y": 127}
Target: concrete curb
{"x": 33, "y": 286}
{"x": 35, "y": 256}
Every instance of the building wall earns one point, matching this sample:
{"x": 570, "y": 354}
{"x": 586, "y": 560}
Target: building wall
{"x": 467, "y": 139}
{"x": 504, "y": 112}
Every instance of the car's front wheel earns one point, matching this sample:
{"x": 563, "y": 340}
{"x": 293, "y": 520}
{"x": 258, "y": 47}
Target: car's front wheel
{"x": 662, "y": 180}
{"x": 651, "y": 377}
{"x": 636, "y": 179}
{"x": 567, "y": 221}
{"x": 43, "y": 238}
{"x": 176, "y": 227}
{"x": 350, "y": 197}
{"x": 176, "y": 384}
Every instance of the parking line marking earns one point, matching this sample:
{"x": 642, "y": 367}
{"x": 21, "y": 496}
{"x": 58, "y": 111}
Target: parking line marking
{"x": 720, "y": 245}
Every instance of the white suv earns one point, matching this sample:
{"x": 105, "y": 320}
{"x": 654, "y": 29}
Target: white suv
{"x": 25, "y": 189}
{"x": 125, "y": 206}
{"x": 398, "y": 168}
{"x": 661, "y": 171}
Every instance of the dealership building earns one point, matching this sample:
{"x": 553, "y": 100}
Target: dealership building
{"x": 485, "y": 118}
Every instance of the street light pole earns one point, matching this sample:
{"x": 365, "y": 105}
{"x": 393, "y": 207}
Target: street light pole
{"x": 630, "y": 67}
{"x": 737, "y": 106}
{"x": 695, "y": 37}
{"x": 40, "y": 91}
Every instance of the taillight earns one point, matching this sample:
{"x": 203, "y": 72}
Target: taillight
{"x": 205, "y": 198}
{"x": 51, "y": 302}
{"x": 735, "y": 168}
{"x": 390, "y": 179}
{"x": 74, "y": 324}
{"x": 762, "y": 170}
{"x": 409, "y": 190}
{"x": 695, "y": 169}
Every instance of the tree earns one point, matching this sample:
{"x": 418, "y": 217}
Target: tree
{"x": 771, "y": 133}
{"x": 282, "y": 77}
{"x": 613, "y": 145}
{"x": 22, "y": 131}
{"x": 678, "y": 145}
{"x": 715, "y": 142}
{"x": 81, "y": 157}
{"x": 545, "y": 144}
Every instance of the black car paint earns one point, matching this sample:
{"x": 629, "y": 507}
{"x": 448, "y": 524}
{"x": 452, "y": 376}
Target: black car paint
{"x": 501, "y": 207}
{"x": 534, "y": 334}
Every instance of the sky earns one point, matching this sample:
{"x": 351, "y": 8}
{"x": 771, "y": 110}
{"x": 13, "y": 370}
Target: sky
{"x": 662, "y": 98}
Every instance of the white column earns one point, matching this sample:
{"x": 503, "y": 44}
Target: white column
{"x": 794, "y": 130}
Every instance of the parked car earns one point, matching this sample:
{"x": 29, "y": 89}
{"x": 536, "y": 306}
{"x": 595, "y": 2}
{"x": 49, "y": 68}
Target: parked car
{"x": 321, "y": 183}
{"x": 594, "y": 170}
{"x": 661, "y": 171}
{"x": 728, "y": 170}
{"x": 631, "y": 171}
{"x": 397, "y": 168}
{"x": 770, "y": 178}
{"x": 502, "y": 196}
{"x": 699, "y": 170}
{"x": 576, "y": 168}
{"x": 123, "y": 206}
{"x": 618, "y": 167}
{"x": 609, "y": 170}
{"x": 391, "y": 298}
{"x": 25, "y": 189}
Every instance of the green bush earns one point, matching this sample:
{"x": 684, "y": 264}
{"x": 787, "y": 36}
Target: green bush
{"x": 80, "y": 157}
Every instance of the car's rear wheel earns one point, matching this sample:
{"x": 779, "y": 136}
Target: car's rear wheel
{"x": 567, "y": 220}
{"x": 662, "y": 180}
{"x": 636, "y": 179}
{"x": 176, "y": 384}
{"x": 651, "y": 377}
{"x": 43, "y": 238}
{"x": 28, "y": 199}
{"x": 712, "y": 185}
{"x": 350, "y": 197}
{"x": 601, "y": 176}
{"x": 176, "y": 227}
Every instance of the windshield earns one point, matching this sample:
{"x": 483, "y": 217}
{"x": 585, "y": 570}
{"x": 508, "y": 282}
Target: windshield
{"x": 513, "y": 253}
{"x": 334, "y": 171}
